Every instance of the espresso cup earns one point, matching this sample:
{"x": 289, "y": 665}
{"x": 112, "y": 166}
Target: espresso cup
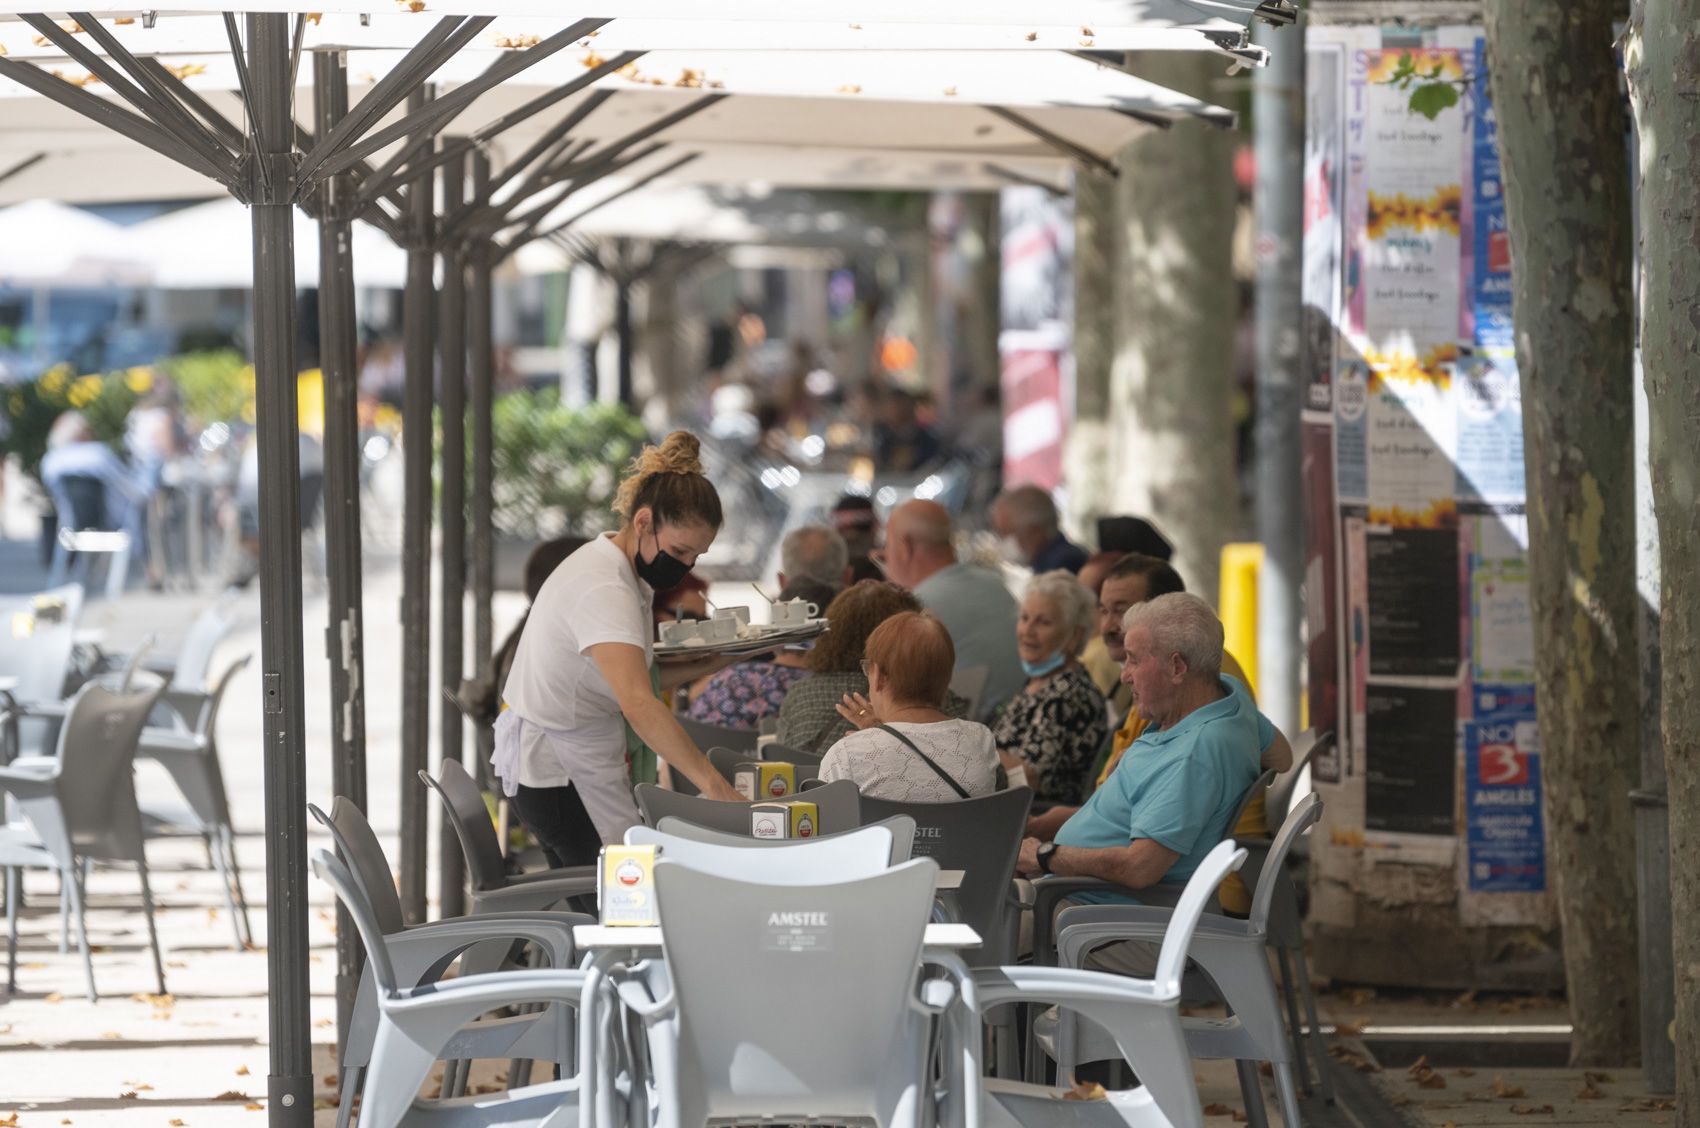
{"x": 719, "y": 630}
{"x": 742, "y": 614}
{"x": 794, "y": 612}
{"x": 681, "y": 631}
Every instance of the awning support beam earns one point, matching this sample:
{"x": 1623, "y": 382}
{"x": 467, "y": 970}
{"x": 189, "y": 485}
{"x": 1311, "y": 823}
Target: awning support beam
{"x": 1061, "y": 144}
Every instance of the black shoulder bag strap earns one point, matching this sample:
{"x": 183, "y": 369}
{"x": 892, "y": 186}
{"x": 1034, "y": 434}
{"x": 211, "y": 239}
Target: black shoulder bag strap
{"x": 961, "y": 792}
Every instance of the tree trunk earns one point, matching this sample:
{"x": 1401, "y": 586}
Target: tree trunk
{"x": 1171, "y": 386}
{"x": 1561, "y": 129}
{"x": 1662, "y": 55}
{"x": 1088, "y": 465}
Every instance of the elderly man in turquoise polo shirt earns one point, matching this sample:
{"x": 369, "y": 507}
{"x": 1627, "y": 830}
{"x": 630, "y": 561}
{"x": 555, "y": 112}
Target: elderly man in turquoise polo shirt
{"x": 1169, "y": 800}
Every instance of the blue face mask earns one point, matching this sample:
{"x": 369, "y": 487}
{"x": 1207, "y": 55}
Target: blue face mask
{"x": 1039, "y": 669}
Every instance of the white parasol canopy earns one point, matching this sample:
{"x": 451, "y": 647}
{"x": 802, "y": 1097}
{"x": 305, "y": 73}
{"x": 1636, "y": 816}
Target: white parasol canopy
{"x": 43, "y": 242}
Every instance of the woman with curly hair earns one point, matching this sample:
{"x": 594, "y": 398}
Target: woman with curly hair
{"x": 580, "y": 673}
{"x": 809, "y": 720}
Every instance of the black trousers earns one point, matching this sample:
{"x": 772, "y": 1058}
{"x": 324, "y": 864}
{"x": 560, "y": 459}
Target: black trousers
{"x": 556, "y": 817}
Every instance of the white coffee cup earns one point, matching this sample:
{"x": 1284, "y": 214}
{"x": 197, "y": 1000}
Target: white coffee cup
{"x": 794, "y": 612}
{"x": 742, "y": 614}
{"x": 718, "y": 629}
{"x": 681, "y": 631}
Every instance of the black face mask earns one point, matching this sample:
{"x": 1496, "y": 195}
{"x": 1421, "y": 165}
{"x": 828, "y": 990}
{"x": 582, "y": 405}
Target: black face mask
{"x": 663, "y": 570}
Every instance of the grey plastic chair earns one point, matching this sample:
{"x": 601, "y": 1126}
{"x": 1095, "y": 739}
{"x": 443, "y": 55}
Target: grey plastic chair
{"x": 418, "y": 955}
{"x": 839, "y": 806}
{"x": 982, "y": 838}
{"x": 855, "y": 853}
{"x": 718, "y": 736}
{"x": 1142, "y": 1017}
{"x": 780, "y": 753}
{"x": 189, "y": 753}
{"x": 719, "y": 1044}
{"x": 417, "y": 1026}
{"x": 39, "y": 661}
{"x": 80, "y": 807}
{"x": 970, "y": 682}
{"x": 1279, "y": 799}
{"x": 1234, "y": 954}
{"x": 491, "y": 887}
{"x": 902, "y": 829}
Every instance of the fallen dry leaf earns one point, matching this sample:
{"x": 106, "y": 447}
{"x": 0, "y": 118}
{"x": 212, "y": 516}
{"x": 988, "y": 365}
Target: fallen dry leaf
{"x": 241, "y": 1071}
{"x": 127, "y": 1095}
{"x": 121, "y": 21}
{"x": 1465, "y": 1071}
{"x": 855, "y": 27}
{"x": 53, "y": 997}
{"x": 1466, "y": 1000}
{"x": 36, "y": 965}
{"x": 323, "y": 1022}
{"x": 1215, "y": 1109}
{"x": 1087, "y": 42}
{"x": 144, "y": 1088}
{"x": 1589, "y": 1093}
{"x": 314, "y": 18}
{"x": 67, "y": 1120}
{"x": 321, "y": 1104}
{"x": 950, "y": 92}
{"x": 1591, "y": 1078}
{"x": 232, "y": 1095}
{"x": 1532, "y": 1110}
{"x": 1239, "y": 1117}
{"x": 176, "y": 1123}
{"x": 1424, "y": 1074}
{"x": 1507, "y": 1092}
{"x": 518, "y": 41}
{"x": 9, "y": 1121}
{"x": 1032, "y": 35}
{"x": 1086, "y": 1091}
{"x": 186, "y": 70}
{"x": 111, "y": 1035}
{"x": 1349, "y": 1029}
{"x": 850, "y": 88}
{"x": 254, "y": 1106}
{"x": 1648, "y": 1104}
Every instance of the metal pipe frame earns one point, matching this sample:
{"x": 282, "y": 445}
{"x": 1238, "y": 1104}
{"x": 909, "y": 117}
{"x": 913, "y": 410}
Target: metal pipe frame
{"x": 1061, "y": 144}
{"x": 481, "y": 369}
{"x": 452, "y": 397}
{"x": 417, "y": 321}
{"x": 345, "y": 641}
{"x": 290, "y": 1083}
{"x": 431, "y": 117}
{"x": 24, "y": 165}
{"x": 561, "y": 227}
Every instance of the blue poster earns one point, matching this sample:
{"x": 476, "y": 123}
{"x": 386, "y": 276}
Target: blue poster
{"x": 1490, "y": 288}
{"x": 1502, "y": 792}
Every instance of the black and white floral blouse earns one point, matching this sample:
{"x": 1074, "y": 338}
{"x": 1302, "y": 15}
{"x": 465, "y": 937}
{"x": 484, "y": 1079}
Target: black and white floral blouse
{"x": 1058, "y": 729}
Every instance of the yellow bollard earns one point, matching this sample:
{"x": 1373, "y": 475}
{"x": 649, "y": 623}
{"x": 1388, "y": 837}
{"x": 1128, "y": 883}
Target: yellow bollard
{"x": 1238, "y": 605}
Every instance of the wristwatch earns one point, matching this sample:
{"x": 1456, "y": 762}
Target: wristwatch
{"x": 1044, "y": 855}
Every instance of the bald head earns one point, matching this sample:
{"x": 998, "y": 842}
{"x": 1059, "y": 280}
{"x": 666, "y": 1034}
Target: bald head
{"x": 917, "y": 542}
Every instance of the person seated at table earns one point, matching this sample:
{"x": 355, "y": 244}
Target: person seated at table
{"x": 1026, "y": 522}
{"x": 809, "y": 720}
{"x": 1104, "y": 667}
{"x": 1050, "y": 732}
{"x": 743, "y": 695}
{"x": 907, "y": 748}
{"x": 1170, "y": 799}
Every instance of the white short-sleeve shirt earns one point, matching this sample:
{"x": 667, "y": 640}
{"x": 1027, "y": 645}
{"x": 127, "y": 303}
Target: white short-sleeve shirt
{"x": 884, "y": 767}
{"x": 574, "y": 727}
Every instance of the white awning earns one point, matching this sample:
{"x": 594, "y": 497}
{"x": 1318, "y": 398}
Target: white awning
{"x": 210, "y": 246}
{"x": 46, "y": 243}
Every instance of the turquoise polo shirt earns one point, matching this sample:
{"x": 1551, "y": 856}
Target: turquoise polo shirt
{"x": 1179, "y": 786}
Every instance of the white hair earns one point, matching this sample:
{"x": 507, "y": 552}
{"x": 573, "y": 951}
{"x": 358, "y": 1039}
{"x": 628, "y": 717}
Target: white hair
{"x": 1074, "y": 603}
{"x": 1181, "y": 623}
{"x": 814, "y": 552}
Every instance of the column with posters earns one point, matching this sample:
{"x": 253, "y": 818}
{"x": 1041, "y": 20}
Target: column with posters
{"x": 1418, "y": 515}
{"x": 1034, "y": 344}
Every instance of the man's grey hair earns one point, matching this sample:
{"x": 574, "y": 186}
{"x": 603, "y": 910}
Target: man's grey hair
{"x": 1029, "y": 507}
{"x": 1181, "y": 623}
{"x": 1073, "y": 601}
{"x": 814, "y": 552}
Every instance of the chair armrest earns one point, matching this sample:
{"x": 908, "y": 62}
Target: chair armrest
{"x": 423, "y": 952}
{"x": 563, "y": 873}
{"x": 1047, "y": 893}
{"x": 1085, "y": 927}
{"x": 188, "y": 704}
{"x": 535, "y": 895}
{"x": 24, "y": 784}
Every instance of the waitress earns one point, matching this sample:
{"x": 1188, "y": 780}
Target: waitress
{"x": 581, "y": 670}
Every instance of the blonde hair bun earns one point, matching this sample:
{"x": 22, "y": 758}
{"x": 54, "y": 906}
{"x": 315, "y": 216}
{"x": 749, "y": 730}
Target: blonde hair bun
{"x": 679, "y": 453}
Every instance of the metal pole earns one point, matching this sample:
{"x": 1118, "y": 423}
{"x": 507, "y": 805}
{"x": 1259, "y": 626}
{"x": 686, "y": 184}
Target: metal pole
{"x": 289, "y": 1087}
{"x": 481, "y": 353}
{"x": 1652, "y": 814}
{"x": 623, "y": 336}
{"x": 345, "y": 636}
{"x": 451, "y": 346}
{"x": 417, "y": 316}
{"x": 1278, "y": 117}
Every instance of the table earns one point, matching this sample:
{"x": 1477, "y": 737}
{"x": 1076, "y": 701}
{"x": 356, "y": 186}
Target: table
{"x": 603, "y": 937}
{"x": 948, "y": 880}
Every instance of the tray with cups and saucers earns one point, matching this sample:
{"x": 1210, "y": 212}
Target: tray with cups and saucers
{"x": 731, "y": 632}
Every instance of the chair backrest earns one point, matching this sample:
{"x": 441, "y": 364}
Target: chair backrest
{"x": 970, "y": 682}
{"x": 726, "y": 761}
{"x": 807, "y": 861}
{"x": 208, "y": 726}
{"x": 97, "y": 754}
{"x": 364, "y": 855}
{"x": 80, "y": 501}
{"x": 902, "y": 829}
{"x": 1200, "y": 889}
{"x": 1274, "y": 866}
{"x": 1280, "y": 795}
{"x": 39, "y": 633}
{"x": 844, "y": 955}
{"x": 195, "y": 654}
{"x": 838, "y": 803}
{"x": 982, "y": 838}
{"x": 1259, "y": 786}
{"x": 715, "y": 736}
{"x": 463, "y": 806}
{"x": 352, "y": 892}
{"x": 779, "y": 753}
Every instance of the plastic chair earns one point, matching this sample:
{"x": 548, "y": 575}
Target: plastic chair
{"x": 970, "y": 682}
{"x": 839, "y": 805}
{"x": 902, "y": 829}
{"x": 982, "y": 838}
{"x": 719, "y": 1045}
{"x": 1142, "y": 1017}
{"x": 855, "y": 853}
{"x": 780, "y": 753}
{"x": 80, "y": 807}
{"x": 1234, "y": 954}
{"x": 40, "y": 633}
{"x": 190, "y": 756}
{"x": 491, "y": 887}
{"x": 416, "y": 1026}
{"x": 418, "y": 955}
{"x": 1279, "y": 800}
{"x": 717, "y": 736}
{"x": 85, "y": 528}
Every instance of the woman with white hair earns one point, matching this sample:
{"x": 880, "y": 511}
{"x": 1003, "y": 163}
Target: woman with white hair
{"x": 1050, "y": 733}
